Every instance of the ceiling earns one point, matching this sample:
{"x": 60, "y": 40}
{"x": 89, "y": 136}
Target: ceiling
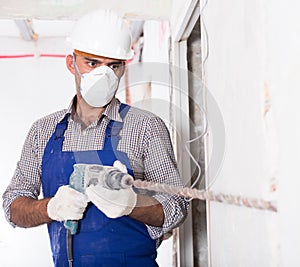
{"x": 72, "y": 9}
{"x": 55, "y": 18}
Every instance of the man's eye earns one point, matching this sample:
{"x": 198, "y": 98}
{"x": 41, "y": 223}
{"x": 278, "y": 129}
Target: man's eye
{"x": 92, "y": 64}
{"x": 114, "y": 66}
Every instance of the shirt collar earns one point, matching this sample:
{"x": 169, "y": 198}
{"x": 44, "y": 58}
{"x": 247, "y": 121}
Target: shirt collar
{"x": 111, "y": 111}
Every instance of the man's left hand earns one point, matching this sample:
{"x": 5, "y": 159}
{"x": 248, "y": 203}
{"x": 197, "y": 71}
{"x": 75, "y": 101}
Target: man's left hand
{"x": 113, "y": 203}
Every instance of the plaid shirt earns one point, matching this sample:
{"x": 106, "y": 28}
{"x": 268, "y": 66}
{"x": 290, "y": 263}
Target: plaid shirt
{"x": 144, "y": 138}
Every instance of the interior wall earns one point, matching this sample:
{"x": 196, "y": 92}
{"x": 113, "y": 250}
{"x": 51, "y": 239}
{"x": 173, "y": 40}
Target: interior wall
{"x": 252, "y": 73}
{"x": 31, "y": 88}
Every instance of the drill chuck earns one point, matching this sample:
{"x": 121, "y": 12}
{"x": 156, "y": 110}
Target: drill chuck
{"x": 114, "y": 179}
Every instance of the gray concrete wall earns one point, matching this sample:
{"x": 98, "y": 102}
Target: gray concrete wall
{"x": 197, "y": 147}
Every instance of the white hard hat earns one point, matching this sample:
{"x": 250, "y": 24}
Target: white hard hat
{"x": 102, "y": 33}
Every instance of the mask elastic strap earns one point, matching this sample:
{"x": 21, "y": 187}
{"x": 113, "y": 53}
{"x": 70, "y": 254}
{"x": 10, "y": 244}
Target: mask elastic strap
{"x": 76, "y": 70}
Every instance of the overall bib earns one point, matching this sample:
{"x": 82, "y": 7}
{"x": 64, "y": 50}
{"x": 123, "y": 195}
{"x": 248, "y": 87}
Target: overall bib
{"x": 100, "y": 241}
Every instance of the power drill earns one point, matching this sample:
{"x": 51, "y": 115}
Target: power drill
{"x": 87, "y": 174}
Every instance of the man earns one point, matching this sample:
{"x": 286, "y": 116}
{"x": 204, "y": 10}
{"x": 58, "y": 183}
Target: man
{"x": 116, "y": 227}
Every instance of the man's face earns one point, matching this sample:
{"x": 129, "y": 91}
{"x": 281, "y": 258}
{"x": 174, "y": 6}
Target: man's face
{"x": 87, "y": 62}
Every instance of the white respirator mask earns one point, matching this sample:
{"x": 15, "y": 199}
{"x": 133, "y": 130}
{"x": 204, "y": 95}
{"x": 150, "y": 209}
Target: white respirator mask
{"x": 98, "y": 86}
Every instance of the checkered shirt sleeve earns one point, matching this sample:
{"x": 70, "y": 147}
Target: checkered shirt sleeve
{"x": 160, "y": 166}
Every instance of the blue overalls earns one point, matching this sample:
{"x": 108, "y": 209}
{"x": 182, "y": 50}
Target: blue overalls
{"x": 100, "y": 241}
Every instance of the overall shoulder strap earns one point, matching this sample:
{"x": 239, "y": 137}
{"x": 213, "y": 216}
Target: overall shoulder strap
{"x": 62, "y": 126}
{"x": 112, "y": 133}
{"x": 124, "y": 108}
{"x": 56, "y": 140}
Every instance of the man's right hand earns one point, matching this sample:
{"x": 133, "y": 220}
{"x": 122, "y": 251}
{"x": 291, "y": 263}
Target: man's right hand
{"x": 67, "y": 204}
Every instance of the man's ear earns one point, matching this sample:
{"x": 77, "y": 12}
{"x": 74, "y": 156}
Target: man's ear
{"x": 70, "y": 63}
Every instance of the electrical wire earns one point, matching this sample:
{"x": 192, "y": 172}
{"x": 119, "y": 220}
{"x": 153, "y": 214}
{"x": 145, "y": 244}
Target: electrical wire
{"x": 189, "y": 151}
{"x": 69, "y": 240}
{"x": 205, "y": 33}
{"x": 187, "y": 143}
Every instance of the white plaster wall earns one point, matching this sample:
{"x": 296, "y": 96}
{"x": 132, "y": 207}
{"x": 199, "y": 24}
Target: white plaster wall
{"x": 179, "y": 15}
{"x": 283, "y": 74}
{"x": 31, "y": 88}
{"x": 252, "y": 72}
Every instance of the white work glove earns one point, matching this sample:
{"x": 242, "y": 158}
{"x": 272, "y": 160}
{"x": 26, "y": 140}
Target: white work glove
{"x": 113, "y": 203}
{"x": 67, "y": 204}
